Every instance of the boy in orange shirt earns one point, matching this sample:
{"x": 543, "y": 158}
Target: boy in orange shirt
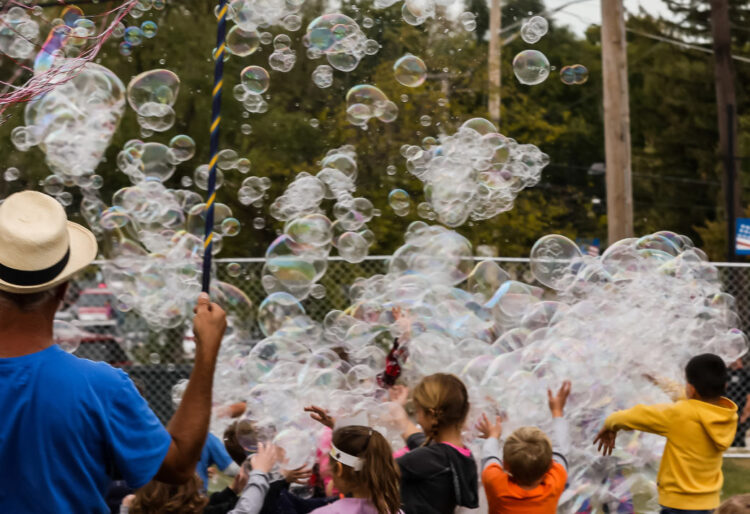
{"x": 531, "y": 476}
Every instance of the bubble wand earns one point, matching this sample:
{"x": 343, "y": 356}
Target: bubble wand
{"x": 215, "y": 122}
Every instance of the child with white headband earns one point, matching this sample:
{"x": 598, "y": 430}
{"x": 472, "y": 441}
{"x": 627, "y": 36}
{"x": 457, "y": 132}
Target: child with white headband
{"x": 363, "y": 471}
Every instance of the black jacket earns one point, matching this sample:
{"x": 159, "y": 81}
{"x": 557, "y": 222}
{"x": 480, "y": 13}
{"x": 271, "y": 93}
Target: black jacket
{"x": 436, "y": 478}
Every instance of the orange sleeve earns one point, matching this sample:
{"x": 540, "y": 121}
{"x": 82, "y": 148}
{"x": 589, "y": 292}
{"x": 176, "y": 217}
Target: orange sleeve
{"x": 495, "y": 481}
{"x": 557, "y": 477}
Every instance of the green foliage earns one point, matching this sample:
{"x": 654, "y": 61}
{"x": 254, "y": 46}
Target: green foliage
{"x": 674, "y": 135}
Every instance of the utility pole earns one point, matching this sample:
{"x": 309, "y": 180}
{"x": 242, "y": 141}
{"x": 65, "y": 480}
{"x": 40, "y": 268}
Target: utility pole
{"x": 616, "y": 121}
{"x": 726, "y": 109}
{"x": 494, "y": 62}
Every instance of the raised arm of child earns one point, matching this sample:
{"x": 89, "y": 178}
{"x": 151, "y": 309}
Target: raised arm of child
{"x": 646, "y": 418}
{"x": 491, "y": 433}
{"x": 560, "y": 436}
{"x": 251, "y": 501}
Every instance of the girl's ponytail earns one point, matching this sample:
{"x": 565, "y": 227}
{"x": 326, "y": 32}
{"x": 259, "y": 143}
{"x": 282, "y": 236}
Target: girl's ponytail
{"x": 378, "y": 473}
{"x": 381, "y": 475}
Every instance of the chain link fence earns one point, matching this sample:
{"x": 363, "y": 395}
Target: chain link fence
{"x": 157, "y": 360}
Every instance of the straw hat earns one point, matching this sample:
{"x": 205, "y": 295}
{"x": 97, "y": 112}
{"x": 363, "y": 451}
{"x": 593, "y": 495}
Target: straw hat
{"x": 39, "y": 247}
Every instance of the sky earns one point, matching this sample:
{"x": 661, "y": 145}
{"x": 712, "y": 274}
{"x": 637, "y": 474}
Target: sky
{"x": 582, "y": 14}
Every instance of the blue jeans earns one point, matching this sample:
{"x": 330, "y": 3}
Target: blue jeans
{"x": 670, "y": 510}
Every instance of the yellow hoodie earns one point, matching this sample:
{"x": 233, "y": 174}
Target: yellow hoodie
{"x": 697, "y": 434}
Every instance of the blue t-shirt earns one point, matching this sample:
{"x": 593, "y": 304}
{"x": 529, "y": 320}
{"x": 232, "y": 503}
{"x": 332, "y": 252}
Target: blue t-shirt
{"x": 65, "y": 425}
{"x": 213, "y": 453}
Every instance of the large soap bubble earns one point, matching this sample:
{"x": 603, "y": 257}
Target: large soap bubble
{"x": 551, "y": 260}
{"x": 410, "y": 71}
{"x": 531, "y": 67}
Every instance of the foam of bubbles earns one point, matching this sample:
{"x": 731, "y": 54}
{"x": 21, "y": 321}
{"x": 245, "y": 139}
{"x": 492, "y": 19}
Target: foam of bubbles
{"x": 616, "y": 324}
{"x": 340, "y": 39}
{"x": 251, "y": 14}
{"x": 475, "y": 173}
{"x": 74, "y": 123}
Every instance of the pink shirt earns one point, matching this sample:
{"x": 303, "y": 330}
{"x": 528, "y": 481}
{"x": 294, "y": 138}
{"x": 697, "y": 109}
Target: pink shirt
{"x": 349, "y": 506}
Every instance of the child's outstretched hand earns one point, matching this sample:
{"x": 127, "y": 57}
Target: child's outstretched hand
{"x": 321, "y": 415}
{"x": 606, "y": 439}
{"x": 487, "y": 429}
{"x": 265, "y": 459}
{"x": 398, "y": 394}
{"x": 557, "y": 402}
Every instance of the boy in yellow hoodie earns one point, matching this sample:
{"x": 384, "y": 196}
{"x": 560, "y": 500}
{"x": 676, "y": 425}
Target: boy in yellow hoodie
{"x": 698, "y": 430}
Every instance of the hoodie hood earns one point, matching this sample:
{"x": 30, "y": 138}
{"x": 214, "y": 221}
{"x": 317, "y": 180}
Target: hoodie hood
{"x": 465, "y": 478}
{"x": 719, "y": 421}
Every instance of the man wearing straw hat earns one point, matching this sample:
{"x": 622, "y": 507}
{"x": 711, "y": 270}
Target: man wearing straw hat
{"x": 68, "y": 424}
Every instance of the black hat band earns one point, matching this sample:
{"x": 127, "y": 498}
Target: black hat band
{"x": 19, "y": 277}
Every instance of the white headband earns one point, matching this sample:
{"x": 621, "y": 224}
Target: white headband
{"x": 346, "y": 459}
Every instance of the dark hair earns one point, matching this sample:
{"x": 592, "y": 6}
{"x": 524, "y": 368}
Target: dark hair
{"x": 31, "y": 301}
{"x": 707, "y": 373}
{"x": 735, "y": 505}
{"x": 158, "y": 497}
{"x": 232, "y": 445}
{"x": 444, "y": 397}
{"x": 379, "y": 474}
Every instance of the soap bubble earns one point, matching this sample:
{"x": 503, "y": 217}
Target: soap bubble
{"x": 400, "y": 202}
{"x": 410, "y": 71}
{"x": 11, "y": 174}
{"x": 278, "y": 310}
{"x": 575, "y": 74}
{"x": 242, "y": 42}
{"x": 339, "y": 38}
{"x": 534, "y": 29}
{"x": 531, "y": 67}
{"x": 298, "y": 447}
{"x": 133, "y": 36}
{"x": 152, "y": 95}
{"x": 366, "y": 101}
{"x": 67, "y": 336}
{"x": 234, "y": 269}
{"x": 323, "y": 76}
{"x": 352, "y": 247}
{"x": 149, "y": 29}
{"x": 255, "y": 79}
{"x": 182, "y": 147}
{"x": 551, "y": 259}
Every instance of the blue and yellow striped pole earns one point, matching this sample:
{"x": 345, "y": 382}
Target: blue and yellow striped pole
{"x": 215, "y": 123}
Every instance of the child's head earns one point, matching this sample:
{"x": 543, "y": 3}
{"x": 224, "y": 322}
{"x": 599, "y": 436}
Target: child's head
{"x": 527, "y": 455}
{"x": 441, "y": 401}
{"x": 169, "y": 498}
{"x": 706, "y": 377}
{"x": 232, "y": 443}
{"x": 362, "y": 462}
{"x": 735, "y": 505}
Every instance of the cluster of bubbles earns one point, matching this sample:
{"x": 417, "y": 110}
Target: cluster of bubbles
{"x": 154, "y": 161}
{"x": 134, "y": 35}
{"x": 74, "y": 123}
{"x": 531, "y": 67}
{"x": 297, "y": 259}
{"x": 254, "y": 81}
{"x": 283, "y": 56}
{"x": 474, "y": 174}
{"x": 340, "y": 39}
{"x": 365, "y": 101}
{"x": 227, "y": 159}
{"x": 152, "y": 94}
{"x": 249, "y": 15}
{"x": 19, "y": 33}
{"x": 620, "y": 326}
{"x": 534, "y": 29}
{"x": 153, "y": 239}
{"x": 575, "y": 74}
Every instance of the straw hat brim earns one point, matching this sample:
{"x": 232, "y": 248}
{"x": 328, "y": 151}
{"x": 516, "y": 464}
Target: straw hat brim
{"x": 83, "y": 249}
